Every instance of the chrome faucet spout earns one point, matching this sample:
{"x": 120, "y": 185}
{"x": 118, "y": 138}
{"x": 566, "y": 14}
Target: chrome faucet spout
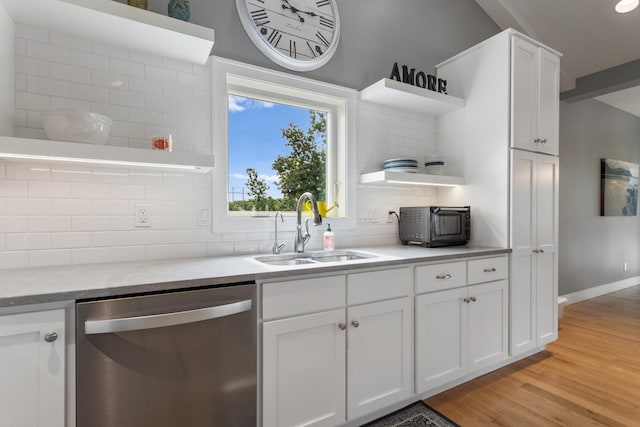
{"x": 277, "y": 247}
{"x": 301, "y": 240}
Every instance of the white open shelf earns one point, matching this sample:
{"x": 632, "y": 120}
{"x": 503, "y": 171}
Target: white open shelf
{"x": 25, "y": 149}
{"x": 408, "y": 178}
{"x": 116, "y": 23}
{"x": 407, "y": 97}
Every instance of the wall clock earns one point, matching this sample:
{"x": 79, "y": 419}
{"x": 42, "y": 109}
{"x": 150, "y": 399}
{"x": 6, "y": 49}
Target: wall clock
{"x": 300, "y": 35}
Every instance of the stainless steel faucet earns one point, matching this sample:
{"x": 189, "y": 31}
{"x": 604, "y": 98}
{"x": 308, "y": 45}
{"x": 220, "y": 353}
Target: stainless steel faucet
{"x": 277, "y": 247}
{"x": 301, "y": 240}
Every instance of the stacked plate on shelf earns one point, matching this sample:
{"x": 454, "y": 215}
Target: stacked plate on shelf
{"x": 401, "y": 165}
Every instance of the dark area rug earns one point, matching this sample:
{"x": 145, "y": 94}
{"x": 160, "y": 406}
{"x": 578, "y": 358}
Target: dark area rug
{"x": 417, "y": 414}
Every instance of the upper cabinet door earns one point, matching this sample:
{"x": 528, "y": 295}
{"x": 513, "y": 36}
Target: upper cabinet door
{"x": 548, "y": 101}
{"x": 534, "y": 98}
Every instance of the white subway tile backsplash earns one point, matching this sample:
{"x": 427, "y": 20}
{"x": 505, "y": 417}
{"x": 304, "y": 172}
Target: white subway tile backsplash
{"x": 45, "y": 86}
{"x": 138, "y": 115}
{"x": 70, "y": 73}
{"x": 26, "y": 171}
{"x": 90, "y": 223}
{"x": 70, "y": 173}
{"x": 20, "y": 47}
{"x": 44, "y": 223}
{"x": 126, "y": 99}
{"x": 3, "y": 242}
{"x": 118, "y": 191}
{"x": 128, "y": 130}
{"x": 145, "y": 86}
{"x": 13, "y": 188}
{"x": 128, "y": 253}
{"x": 128, "y": 68}
{"x": 33, "y": 66}
{"x": 111, "y": 207}
{"x": 65, "y": 40}
{"x": 89, "y": 60}
{"x": 31, "y": 101}
{"x": 71, "y": 207}
{"x": 109, "y": 80}
{"x": 121, "y": 222}
{"x": 114, "y": 112}
{"x": 146, "y": 237}
{"x": 47, "y": 52}
{"x": 90, "y": 190}
{"x": 71, "y": 240}
{"x": 192, "y": 250}
{"x": 160, "y": 74}
{"x": 51, "y": 257}
{"x": 86, "y": 92}
{"x": 111, "y": 238}
{"x": 145, "y": 58}
{"x": 14, "y": 259}
{"x": 90, "y": 255}
{"x": 173, "y": 64}
{"x": 109, "y": 50}
{"x": 70, "y": 103}
{"x": 162, "y": 251}
{"x": 27, "y": 241}
{"x": 20, "y": 116}
{"x": 161, "y": 192}
{"x": 28, "y": 206}
{"x": 30, "y": 133}
{"x": 13, "y": 224}
{"x": 31, "y": 33}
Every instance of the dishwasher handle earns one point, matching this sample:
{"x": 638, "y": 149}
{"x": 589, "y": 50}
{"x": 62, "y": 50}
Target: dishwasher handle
{"x": 137, "y": 323}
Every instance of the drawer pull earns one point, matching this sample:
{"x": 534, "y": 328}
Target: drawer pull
{"x": 342, "y": 326}
{"x": 490, "y": 270}
{"x": 467, "y": 300}
{"x": 355, "y": 323}
{"x": 473, "y": 299}
{"x": 446, "y": 276}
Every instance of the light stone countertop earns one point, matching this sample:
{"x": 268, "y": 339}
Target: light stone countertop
{"x": 68, "y": 283}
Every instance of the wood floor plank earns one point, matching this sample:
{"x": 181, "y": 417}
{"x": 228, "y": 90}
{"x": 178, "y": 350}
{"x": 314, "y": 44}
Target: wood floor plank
{"x": 589, "y": 377}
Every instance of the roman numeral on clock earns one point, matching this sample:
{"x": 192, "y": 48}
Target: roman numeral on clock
{"x": 292, "y": 49}
{"x": 326, "y": 22}
{"x": 260, "y": 17}
{"x": 322, "y": 38}
{"x": 313, "y": 52}
{"x": 322, "y": 3}
{"x": 274, "y": 38}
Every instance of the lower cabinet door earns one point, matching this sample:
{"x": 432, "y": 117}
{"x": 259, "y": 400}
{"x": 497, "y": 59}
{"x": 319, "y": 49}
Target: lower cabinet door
{"x": 32, "y": 369}
{"x": 441, "y": 338}
{"x": 488, "y": 332}
{"x": 304, "y": 370}
{"x": 379, "y": 360}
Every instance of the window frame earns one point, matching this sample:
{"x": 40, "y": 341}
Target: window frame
{"x": 236, "y": 78}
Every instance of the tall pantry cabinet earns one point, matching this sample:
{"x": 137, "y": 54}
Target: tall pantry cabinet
{"x": 505, "y": 143}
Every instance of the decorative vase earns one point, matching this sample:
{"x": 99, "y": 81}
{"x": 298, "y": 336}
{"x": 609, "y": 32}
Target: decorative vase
{"x": 179, "y": 9}
{"x": 142, "y": 4}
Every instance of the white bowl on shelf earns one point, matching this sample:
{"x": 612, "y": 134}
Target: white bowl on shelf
{"x": 65, "y": 124}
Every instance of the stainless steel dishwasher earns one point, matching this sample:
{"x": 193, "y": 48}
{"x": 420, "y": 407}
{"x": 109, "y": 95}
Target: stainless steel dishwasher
{"x": 171, "y": 359}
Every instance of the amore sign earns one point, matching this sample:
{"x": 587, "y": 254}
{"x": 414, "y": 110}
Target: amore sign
{"x": 420, "y": 79}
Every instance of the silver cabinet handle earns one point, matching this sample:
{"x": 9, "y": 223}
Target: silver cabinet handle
{"x": 535, "y": 251}
{"x": 490, "y": 270}
{"x": 467, "y": 300}
{"x": 537, "y": 140}
{"x": 137, "y": 323}
{"x": 544, "y": 141}
{"x": 541, "y": 251}
{"x": 355, "y": 323}
{"x": 473, "y": 299}
{"x": 342, "y": 326}
{"x": 51, "y": 336}
{"x": 446, "y": 276}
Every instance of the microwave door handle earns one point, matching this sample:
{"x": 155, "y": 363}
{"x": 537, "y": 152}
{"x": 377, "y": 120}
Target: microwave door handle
{"x": 137, "y": 323}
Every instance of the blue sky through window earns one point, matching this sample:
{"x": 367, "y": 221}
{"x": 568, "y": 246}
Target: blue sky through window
{"x": 255, "y": 140}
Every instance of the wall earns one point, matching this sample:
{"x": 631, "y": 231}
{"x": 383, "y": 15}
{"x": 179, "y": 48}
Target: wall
{"x": 56, "y": 214}
{"x": 374, "y": 35}
{"x": 592, "y": 248}
{"x": 7, "y": 93}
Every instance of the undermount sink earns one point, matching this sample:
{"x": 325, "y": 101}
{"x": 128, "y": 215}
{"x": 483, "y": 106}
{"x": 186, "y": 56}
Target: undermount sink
{"x": 313, "y": 257}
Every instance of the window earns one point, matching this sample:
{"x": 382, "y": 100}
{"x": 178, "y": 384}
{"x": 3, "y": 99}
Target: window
{"x": 266, "y": 123}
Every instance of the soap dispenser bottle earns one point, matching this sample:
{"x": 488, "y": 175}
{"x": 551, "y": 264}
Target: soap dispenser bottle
{"x": 328, "y": 239}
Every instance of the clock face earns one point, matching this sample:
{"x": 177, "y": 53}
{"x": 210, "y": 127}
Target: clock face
{"x": 301, "y": 35}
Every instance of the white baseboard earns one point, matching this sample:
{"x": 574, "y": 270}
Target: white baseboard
{"x": 596, "y": 291}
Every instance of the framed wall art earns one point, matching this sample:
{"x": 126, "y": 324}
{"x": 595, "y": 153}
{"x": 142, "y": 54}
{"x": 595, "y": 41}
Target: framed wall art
{"x": 618, "y": 188}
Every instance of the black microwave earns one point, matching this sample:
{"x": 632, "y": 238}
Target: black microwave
{"x": 435, "y": 226}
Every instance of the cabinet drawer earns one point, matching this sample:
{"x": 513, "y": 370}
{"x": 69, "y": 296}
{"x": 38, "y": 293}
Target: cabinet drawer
{"x": 436, "y": 277}
{"x": 301, "y": 296}
{"x": 488, "y": 269}
{"x": 378, "y": 285}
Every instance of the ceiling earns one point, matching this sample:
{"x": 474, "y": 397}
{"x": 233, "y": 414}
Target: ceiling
{"x": 591, "y": 36}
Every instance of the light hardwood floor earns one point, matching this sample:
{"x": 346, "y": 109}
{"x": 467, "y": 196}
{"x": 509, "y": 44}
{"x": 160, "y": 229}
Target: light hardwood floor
{"x": 589, "y": 377}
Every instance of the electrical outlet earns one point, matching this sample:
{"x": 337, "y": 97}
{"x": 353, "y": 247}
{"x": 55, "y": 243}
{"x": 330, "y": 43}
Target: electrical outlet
{"x": 204, "y": 215}
{"x": 142, "y": 216}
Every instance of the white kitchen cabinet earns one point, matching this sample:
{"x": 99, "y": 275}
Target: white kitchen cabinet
{"x": 349, "y": 356}
{"x": 461, "y": 326}
{"x": 32, "y": 368}
{"x": 534, "y": 235}
{"x": 304, "y": 370}
{"x": 535, "y": 84}
{"x": 379, "y": 360}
